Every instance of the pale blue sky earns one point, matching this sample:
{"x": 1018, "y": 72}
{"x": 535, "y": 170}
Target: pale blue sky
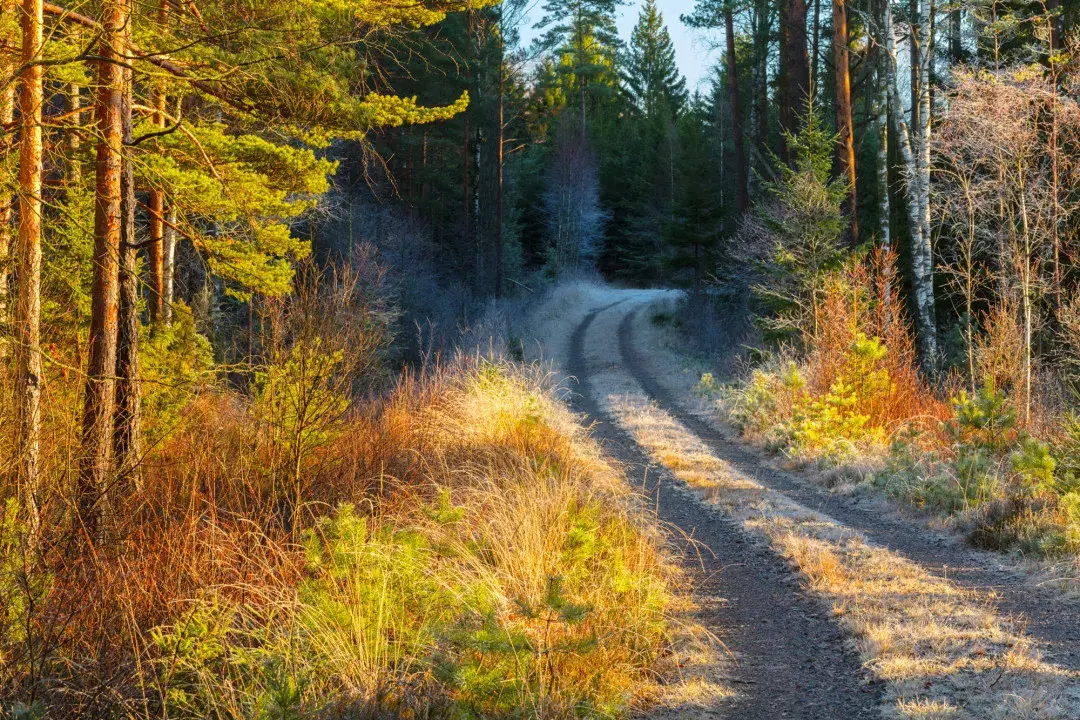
{"x": 692, "y": 47}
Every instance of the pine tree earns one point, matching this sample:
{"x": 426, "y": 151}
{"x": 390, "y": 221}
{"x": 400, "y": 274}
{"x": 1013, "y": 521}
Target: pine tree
{"x": 652, "y": 75}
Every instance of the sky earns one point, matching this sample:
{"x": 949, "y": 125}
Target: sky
{"x": 691, "y": 46}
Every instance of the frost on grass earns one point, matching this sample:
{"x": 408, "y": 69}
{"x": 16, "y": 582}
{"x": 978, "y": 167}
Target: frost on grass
{"x": 943, "y": 651}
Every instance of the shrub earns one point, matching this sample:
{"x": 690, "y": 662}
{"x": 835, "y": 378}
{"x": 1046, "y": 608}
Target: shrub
{"x": 466, "y": 552}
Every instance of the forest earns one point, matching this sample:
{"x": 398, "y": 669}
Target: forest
{"x": 461, "y": 359}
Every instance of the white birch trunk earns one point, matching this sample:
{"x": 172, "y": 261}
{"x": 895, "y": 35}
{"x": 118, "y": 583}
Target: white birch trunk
{"x": 915, "y": 152}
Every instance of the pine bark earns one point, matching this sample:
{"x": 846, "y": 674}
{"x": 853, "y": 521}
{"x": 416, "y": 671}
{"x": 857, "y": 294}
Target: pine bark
{"x": 736, "y": 111}
{"x": 761, "y": 84}
{"x": 798, "y": 58}
{"x": 127, "y": 422}
{"x": 99, "y": 399}
{"x": 74, "y": 139}
{"x": 956, "y": 44}
{"x": 169, "y": 271}
{"x": 155, "y": 205}
{"x": 28, "y": 253}
{"x": 783, "y": 81}
{"x": 7, "y": 145}
{"x": 1057, "y": 42}
{"x": 845, "y": 141}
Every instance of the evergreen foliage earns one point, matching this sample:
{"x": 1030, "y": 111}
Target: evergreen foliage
{"x": 652, "y": 76}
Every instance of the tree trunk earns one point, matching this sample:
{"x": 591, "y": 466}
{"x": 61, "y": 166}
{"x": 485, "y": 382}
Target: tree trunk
{"x": 783, "y": 80}
{"x": 74, "y": 141}
{"x": 917, "y": 186}
{"x": 845, "y": 141}
{"x": 761, "y": 88}
{"x": 736, "y": 111}
{"x": 465, "y": 160}
{"x": 169, "y": 271}
{"x": 926, "y": 53}
{"x": 155, "y": 251}
{"x": 99, "y": 401}
{"x": 499, "y": 150}
{"x": 7, "y": 145}
{"x": 28, "y": 252}
{"x": 881, "y": 111}
{"x": 798, "y": 65}
{"x": 1057, "y": 42}
{"x": 127, "y": 427}
{"x": 956, "y": 43}
{"x": 815, "y": 56}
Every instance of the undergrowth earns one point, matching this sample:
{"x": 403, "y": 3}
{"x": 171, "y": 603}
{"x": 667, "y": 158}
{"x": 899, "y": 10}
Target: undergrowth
{"x": 459, "y": 548}
{"x": 850, "y": 398}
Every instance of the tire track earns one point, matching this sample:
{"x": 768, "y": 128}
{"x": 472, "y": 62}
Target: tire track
{"x": 1049, "y": 618}
{"x": 793, "y": 661}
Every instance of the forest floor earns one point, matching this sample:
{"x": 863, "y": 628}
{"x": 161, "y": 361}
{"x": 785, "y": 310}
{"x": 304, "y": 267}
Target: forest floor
{"x": 827, "y": 605}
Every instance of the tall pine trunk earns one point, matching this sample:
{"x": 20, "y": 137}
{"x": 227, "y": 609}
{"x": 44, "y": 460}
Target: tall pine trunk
{"x": 783, "y": 80}
{"x": 7, "y": 145}
{"x": 1057, "y": 42}
{"x": 99, "y": 399}
{"x": 169, "y": 263}
{"x": 845, "y": 141}
{"x": 761, "y": 85}
{"x": 798, "y": 66}
{"x": 736, "y": 111}
{"x": 28, "y": 253}
{"x": 956, "y": 44}
{"x": 73, "y": 140}
{"x": 155, "y": 251}
{"x": 127, "y": 422}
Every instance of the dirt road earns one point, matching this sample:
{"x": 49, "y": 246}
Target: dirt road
{"x": 996, "y": 644}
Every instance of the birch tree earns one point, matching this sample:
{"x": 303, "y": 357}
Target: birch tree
{"x": 914, "y": 146}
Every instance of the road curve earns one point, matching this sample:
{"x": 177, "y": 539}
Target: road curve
{"x": 792, "y": 660}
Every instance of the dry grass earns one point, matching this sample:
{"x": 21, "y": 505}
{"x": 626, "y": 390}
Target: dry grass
{"x": 459, "y": 544}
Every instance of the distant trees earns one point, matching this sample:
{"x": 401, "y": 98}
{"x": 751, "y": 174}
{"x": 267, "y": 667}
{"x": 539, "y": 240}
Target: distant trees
{"x": 575, "y": 218}
{"x": 693, "y": 233}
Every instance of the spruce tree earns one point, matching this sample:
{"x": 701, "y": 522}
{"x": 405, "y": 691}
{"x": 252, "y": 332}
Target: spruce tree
{"x": 583, "y": 33}
{"x": 652, "y": 76}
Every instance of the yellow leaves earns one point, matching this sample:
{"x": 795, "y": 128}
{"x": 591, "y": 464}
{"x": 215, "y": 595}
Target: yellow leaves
{"x": 394, "y": 111}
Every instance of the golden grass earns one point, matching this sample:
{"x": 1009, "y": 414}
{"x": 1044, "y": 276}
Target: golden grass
{"x": 489, "y": 536}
